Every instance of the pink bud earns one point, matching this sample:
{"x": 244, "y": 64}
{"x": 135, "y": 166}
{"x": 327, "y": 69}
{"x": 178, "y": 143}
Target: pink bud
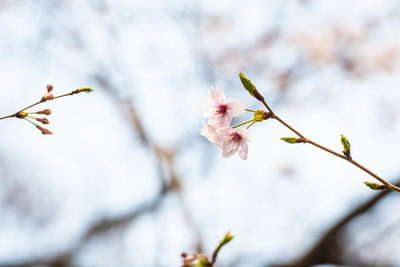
{"x": 190, "y": 257}
{"x": 47, "y": 96}
{"x": 45, "y": 112}
{"x": 43, "y": 120}
{"x": 43, "y": 130}
{"x": 49, "y": 88}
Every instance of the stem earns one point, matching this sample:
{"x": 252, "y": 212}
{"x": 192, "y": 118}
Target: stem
{"x": 31, "y": 122}
{"x": 249, "y": 110}
{"x": 243, "y": 123}
{"x": 250, "y": 125}
{"x": 34, "y": 104}
{"x": 388, "y": 185}
{"x": 266, "y": 105}
{"x": 9, "y": 116}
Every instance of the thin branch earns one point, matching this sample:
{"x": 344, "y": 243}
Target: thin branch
{"x": 388, "y": 185}
{"x": 40, "y": 102}
{"x": 65, "y": 258}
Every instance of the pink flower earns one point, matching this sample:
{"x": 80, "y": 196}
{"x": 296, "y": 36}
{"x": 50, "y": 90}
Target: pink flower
{"x": 218, "y": 112}
{"x": 233, "y": 140}
{"x": 210, "y": 132}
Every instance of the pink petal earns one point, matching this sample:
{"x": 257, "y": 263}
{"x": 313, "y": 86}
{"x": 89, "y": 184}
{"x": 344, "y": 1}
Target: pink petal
{"x": 220, "y": 120}
{"x": 209, "y": 132}
{"x": 235, "y": 107}
{"x": 228, "y": 148}
{"x": 243, "y": 150}
{"x": 208, "y": 107}
{"x": 225, "y": 131}
{"x": 219, "y": 96}
{"x": 244, "y": 133}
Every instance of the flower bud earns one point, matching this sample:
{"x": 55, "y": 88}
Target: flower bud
{"x": 43, "y": 120}
{"x": 47, "y": 96}
{"x": 190, "y": 257}
{"x": 45, "y": 112}
{"x": 49, "y": 88}
{"x": 43, "y": 130}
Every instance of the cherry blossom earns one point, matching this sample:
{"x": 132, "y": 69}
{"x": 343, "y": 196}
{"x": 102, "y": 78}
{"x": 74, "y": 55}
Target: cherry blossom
{"x": 218, "y": 112}
{"x": 210, "y": 132}
{"x": 233, "y": 140}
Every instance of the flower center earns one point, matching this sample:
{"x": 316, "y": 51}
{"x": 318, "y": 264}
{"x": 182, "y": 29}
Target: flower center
{"x": 235, "y": 138}
{"x": 221, "y": 109}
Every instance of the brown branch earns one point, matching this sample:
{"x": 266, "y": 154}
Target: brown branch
{"x": 327, "y": 249}
{"x": 42, "y": 101}
{"x": 273, "y": 115}
{"x": 65, "y": 259}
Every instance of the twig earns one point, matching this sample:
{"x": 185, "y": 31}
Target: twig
{"x": 46, "y": 100}
{"x": 388, "y": 185}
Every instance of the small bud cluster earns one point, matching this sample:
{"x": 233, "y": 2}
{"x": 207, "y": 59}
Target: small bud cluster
{"x": 48, "y": 95}
{"x": 202, "y": 260}
{"x": 29, "y": 116}
{"x": 195, "y": 260}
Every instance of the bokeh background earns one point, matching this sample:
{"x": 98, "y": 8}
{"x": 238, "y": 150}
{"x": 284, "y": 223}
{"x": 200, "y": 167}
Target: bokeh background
{"x": 127, "y": 180}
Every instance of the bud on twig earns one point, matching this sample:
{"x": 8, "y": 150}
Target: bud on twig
{"x": 203, "y": 261}
{"x": 43, "y": 130}
{"x": 227, "y": 238}
{"x": 375, "y": 186}
{"x": 249, "y": 86}
{"x": 49, "y": 88}
{"x": 261, "y": 115}
{"x": 83, "y": 89}
{"x": 47, "y": 96}
{"x": 43, "y": 120}
{"x": 292, "y": 140}
{"x": 45, "y": 112}
{"x": 346, "y": 146}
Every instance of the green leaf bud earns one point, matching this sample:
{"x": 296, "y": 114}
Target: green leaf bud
{"x": 292, "y": 140}
{"x": 374, "y": 186}
{"x": 346, "y": 146}
{"x": 248, "y": 85}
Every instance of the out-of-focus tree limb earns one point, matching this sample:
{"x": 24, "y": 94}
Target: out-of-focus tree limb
{"x": 327, "y": 249}
{"x": 170, "y": 183}
{"x": 102, "y": 226}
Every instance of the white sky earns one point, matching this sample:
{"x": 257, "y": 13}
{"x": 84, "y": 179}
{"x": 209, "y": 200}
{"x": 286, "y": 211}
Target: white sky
{"x": 161, "y": 54}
